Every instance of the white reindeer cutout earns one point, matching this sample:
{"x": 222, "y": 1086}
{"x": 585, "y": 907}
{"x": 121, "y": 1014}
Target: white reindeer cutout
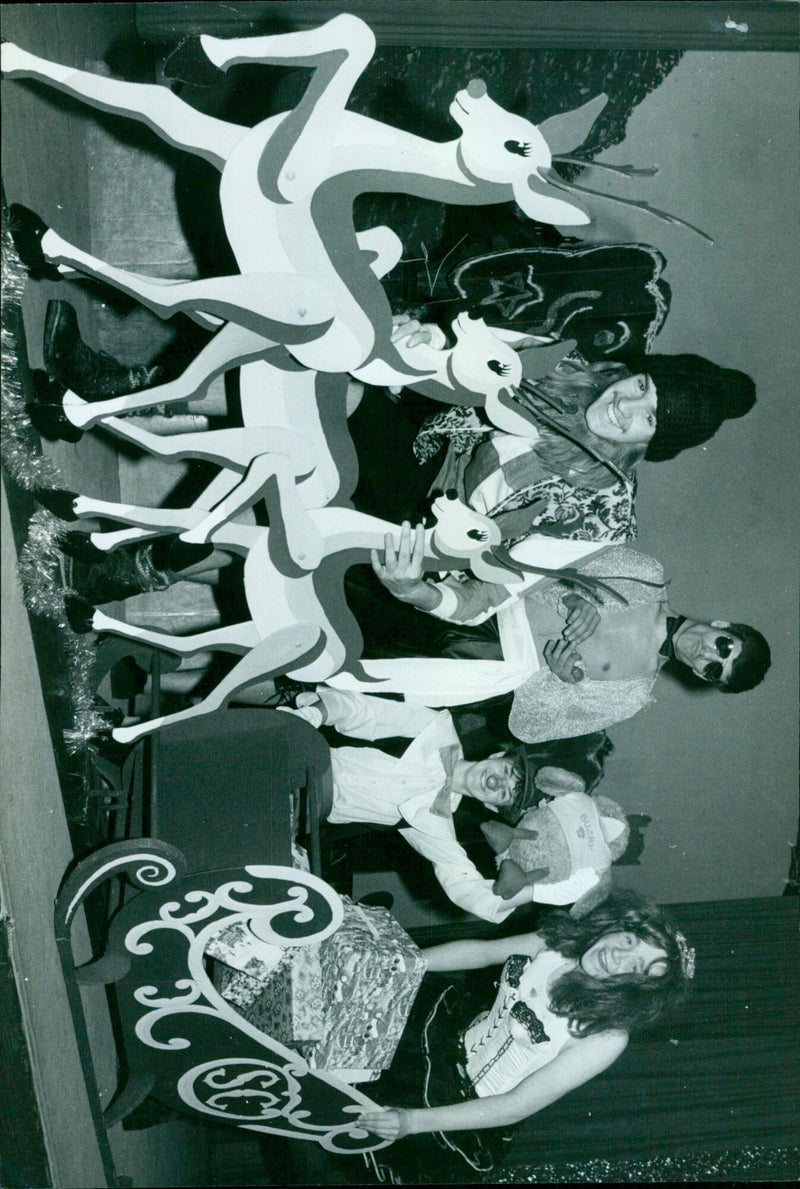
{"x": 306, "y": 280}
{"x": 294, "y": 434}
{"x": 282, "y": 436}
{"x": 299, "y": 621}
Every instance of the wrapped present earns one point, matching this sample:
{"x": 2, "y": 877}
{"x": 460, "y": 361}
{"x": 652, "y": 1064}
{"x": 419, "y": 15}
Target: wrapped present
{"x": 275, "y": 989}
{"x": 240, "y": 948}
{"x": 342, "y": 1003}
{"x": 371, "y": 972}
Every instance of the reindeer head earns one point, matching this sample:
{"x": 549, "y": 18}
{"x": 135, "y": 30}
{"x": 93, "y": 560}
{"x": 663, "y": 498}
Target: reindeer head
{"x": 483, "y": 360}
{"x": 462, "y": 538}
{"x": 481, "y": 365}
{"x": 496, "y": 146}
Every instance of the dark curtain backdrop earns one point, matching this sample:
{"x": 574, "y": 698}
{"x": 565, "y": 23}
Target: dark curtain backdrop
{"x": 410, "y": 84}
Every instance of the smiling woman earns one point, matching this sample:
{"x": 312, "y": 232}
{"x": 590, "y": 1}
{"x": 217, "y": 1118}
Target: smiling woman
{"x": 624, "y": 953}
{"x": 567, "y": 999}
{"x": 598, "y": 418}
{"x": 626, "y": 411}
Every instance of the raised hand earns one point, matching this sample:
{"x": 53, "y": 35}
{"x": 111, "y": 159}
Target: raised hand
{"x": 401, "y": 570}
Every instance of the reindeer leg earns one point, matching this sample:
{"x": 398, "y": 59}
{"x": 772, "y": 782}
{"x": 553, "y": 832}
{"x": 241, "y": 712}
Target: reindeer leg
{"x": 219, "y": 486}
{"x": 278, "y": 653}
{"x": 385, "y": 248}
{"x": 174, "y": 121}
{"x": 296, "y": 157}
{"x": 109, "y": 541}
{"x": 232, "y": 449}
{"x": 285, "y": 507}
{"x": 231, "y": 346}
{"x": 282, "y": 307}
{"x": 174, "y": 520}
{"x": 238, "y": 638}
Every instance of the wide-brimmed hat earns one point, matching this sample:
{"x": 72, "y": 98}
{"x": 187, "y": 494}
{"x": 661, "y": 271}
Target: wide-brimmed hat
{"x": 695, "y": 396}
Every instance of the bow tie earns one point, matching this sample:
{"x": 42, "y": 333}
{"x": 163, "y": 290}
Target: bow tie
{"x": 673, "y": 623}
{"x": 449, "y": 756}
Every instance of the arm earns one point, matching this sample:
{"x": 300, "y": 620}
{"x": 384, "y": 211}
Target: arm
{"x": 459, "y": 602}
{"x": 367, "y": 717}
{"x": 401, "y": 571}
{"x": 573, "y": 1066}
{"x": 460, "y": 878}
{"x": 476, "y": 955}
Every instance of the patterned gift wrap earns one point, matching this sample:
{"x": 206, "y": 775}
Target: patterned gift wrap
{"x": 342, "y": 1003}
{"x": 276, "y": 990}
{"x": 371, "y": 972}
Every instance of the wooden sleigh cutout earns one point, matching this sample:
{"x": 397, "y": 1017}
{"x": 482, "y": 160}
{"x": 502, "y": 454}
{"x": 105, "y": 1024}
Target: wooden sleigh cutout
{"x": 184, "y": 1044}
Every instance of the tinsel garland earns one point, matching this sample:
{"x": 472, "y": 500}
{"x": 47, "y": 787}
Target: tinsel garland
{"x": 755, "y": 1163}
{"x": 19, "y": 442}
{"x": 43, "y": 591}
{"x": 39, "y": 564}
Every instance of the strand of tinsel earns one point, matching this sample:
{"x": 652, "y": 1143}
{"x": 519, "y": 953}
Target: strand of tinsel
{"x": 39, "y": 571}
{"x": 757, "y": 1160}
{"x": 19, "y": 450}
{"x": 39, "y": 563}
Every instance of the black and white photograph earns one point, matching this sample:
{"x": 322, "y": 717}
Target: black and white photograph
{"x": 399, "y": 707}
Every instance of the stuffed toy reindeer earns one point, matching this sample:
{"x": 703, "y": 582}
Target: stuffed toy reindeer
{"x": 563, "y": 847}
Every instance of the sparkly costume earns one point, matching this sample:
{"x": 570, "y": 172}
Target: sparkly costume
{"x": 450, "y": 1054}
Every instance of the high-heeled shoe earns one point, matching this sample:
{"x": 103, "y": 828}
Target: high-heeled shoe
{"x": 93, "y": 375}
{"x": 27, "y": 230}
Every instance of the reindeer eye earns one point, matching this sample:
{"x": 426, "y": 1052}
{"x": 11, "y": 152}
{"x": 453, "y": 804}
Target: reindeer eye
{"x": 478, "y": 534}
{"x": 499, "y": 369}
{"x": 518, "y": 147}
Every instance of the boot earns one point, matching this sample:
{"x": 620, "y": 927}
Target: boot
{"x": 79, "y": 546}
{"x": 134, "y": 569}
{"x": 56, "y": 500}
{"x": 27, "y": 230}
{"x": 79, "y": 613}
{"x": 46, "y": 413}
{"x": 93, "y": 375}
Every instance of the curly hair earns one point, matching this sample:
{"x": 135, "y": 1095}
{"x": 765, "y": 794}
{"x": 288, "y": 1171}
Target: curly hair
{"x": 559, "y": 403}
{"x": 627, "y": 1001}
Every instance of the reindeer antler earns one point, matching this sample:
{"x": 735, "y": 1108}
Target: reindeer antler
{"x": 569, "y": 575}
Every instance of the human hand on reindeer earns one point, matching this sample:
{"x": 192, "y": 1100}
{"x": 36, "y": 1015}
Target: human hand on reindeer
{"x": 413, "y": 333}
{"x": 403, "y": 566}
{"x": 564, "y": 660}
{"x": 582, "y": 620}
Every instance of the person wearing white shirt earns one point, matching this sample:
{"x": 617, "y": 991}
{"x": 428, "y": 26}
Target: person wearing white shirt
{"x": 423, "y": 789}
